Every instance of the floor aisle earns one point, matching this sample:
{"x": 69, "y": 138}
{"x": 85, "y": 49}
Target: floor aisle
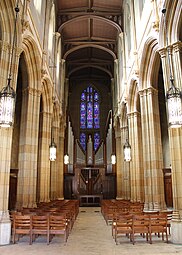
{"x": 90, "y": 236}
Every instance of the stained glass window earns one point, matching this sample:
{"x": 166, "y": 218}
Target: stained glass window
{"x": 96, "y": 140}
{"x": 83, "y": 140}
{"x": 89, "y": 115}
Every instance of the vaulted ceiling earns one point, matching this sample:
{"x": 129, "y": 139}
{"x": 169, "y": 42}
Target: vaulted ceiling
{"x": 89, "y": 31}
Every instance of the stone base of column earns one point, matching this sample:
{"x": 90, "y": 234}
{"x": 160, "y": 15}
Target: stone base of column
{"x": 176, "y": 231}
{"x": 119, "y": 198}
{"x": 154, "y": 206}
{"x": 60, "y": 198}
{"x": 5, "y": 230}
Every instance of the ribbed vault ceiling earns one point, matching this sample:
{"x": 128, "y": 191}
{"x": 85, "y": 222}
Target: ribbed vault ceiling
{"x": 89, "y": 31}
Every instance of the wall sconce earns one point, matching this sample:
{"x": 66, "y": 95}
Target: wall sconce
{"x": 66, "y": 159}
{"x": 113, "y": 159}
{"x": 173, "y": 95}
{"x": 7, "y": 94}
{"x": 127, "y": 151}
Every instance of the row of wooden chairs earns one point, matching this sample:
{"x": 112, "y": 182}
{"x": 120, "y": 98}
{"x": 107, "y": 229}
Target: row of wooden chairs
{"x": 36, "y": 225}
{"x": 111, "y": 208}
{"x": 55, "y": 217}
{"x": 144, "y": 225}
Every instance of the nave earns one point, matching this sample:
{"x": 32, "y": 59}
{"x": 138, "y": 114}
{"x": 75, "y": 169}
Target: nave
{"x": 90, "y": 236}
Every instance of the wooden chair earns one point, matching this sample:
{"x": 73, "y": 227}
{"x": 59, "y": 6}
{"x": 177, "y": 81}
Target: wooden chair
{"x": 158, "y": 225}
{"x": 123, "y": 226}
{"x": 169, "y": 218}
{"x": 141, "y": 226}
{"x": 40, "y": 226}
{"x": 22, "y": 225}
{"x": 58, "y": 226}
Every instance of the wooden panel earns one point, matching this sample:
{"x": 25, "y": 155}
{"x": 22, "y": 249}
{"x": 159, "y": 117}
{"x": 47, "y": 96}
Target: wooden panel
{"x": 13, "y": 189}
{"x": 168, "y": 187}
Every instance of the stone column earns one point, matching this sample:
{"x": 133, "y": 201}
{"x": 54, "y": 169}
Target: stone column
{"x": 6, "y": 145}
{"x": 62, "y": 85}
{"x": 152, "y": 150}
{"x": 43, "y": 188}
{"x": 125, "y": 167}
{"x": 136, "y": 164}
{"x": 54, "y": 194}
{"x": 29, "y": 128}
{"x": 175, "y": 138}
{"x": 60, "y": 163}
{"x": 5, "y": 156}
{"x": 119, "y": 159}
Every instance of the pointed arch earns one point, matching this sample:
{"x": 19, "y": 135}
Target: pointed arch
{"x": 33, "y": 60}
{"x": 91, "y": 46}
{"x": 133, "y": 97}
{"x": 47, "y": 95}
{"x": 150, "y": 63}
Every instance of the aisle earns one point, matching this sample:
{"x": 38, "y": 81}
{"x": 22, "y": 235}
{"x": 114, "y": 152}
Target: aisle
{"x": 90, "y": 236}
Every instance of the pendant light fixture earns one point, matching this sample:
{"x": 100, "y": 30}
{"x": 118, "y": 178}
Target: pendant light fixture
{"x": 127, "y": 146}
{"x": 127, "y": 151}
{"x": 66, "y": 159}
{"x": 173, "y": 95}
{"x": 7, "y": 94}
{"x": 52, "y": 148}
{"x": 113, "y": 159}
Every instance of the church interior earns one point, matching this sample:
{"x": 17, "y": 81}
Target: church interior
{"x": 90, "y": 110}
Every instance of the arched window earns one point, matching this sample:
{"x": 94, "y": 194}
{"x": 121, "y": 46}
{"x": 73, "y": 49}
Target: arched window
{"x": 89, "y": 116}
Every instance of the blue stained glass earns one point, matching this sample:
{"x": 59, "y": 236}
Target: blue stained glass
{"x": 96, "y": 141}
{"x": 83, "y": 98}
{"x": 83, "y": 140}
{"x": 96, "y": 115}
{"x": 96, "y": 96}
{"x": 83, "y": 115}
{"x": 89, "y": 115}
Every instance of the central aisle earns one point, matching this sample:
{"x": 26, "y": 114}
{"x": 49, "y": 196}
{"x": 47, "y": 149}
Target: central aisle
{"x": 90, "y": 236}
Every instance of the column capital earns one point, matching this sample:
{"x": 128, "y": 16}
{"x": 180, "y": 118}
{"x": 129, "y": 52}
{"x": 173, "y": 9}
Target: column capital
{"x": 32, "y": 91}
{"x": 148, "y": 91}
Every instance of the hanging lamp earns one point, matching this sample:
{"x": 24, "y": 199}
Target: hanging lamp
{"x": 66, "y": 159}
{"x": 52, "y": 147}
{"x": 127, "y": 146}
{"x": 52, "y": 150}
{"x": 173, "y": 95}
{"x": 7, "y": 94}
{"x": 127, "y": 151}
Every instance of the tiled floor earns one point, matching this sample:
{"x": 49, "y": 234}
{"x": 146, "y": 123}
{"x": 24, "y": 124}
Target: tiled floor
{"x": 90, "y": 236}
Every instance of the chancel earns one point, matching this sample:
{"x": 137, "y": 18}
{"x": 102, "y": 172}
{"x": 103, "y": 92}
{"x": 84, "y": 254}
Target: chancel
{"x": 90, "y": 120}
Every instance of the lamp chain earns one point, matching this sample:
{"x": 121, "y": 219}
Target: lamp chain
{"x": 13, "y": 46}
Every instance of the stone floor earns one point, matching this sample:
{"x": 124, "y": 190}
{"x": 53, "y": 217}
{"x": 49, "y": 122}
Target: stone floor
{"x": 90, "y": 236}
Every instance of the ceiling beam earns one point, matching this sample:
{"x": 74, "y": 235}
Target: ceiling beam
{"x": 78, "y": 13}
{"x": 93, "y": 42}
{"x": 90, "y": 62}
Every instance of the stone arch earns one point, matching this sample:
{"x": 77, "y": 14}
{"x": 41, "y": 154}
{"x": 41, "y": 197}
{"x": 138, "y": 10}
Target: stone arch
{"x": 102, "y": 19}
{"x": 133, "y": 97}
{"x": 173, "y": 22}
{"x": 56, "y": 114}
{"x": 47, "y": 95}
{"x": 150, "y": 63}
{"x": 89, "y": 65}
{"x": 92, "y": 46}
{"x": 33, "y": 60}
{"x": 7, "y": 19}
